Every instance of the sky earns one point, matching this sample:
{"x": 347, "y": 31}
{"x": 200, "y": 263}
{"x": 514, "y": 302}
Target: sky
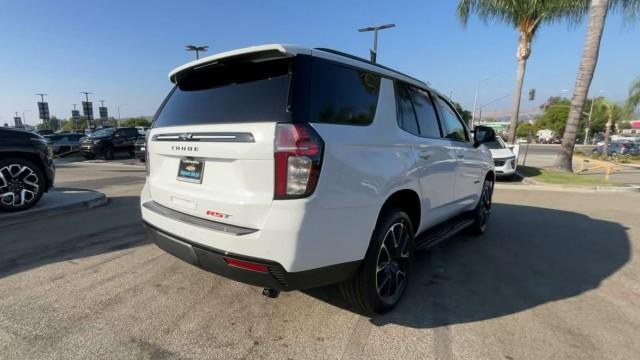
{"x": 122, "y": 51}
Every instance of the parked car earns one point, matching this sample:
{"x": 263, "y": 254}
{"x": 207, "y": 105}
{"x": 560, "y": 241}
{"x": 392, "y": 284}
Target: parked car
{"x": 291, "y": 168}
{"x": 64, "y": 143}
{"x": 140, "y": 148}
{"x": 618, "y": 148}
{"x": 142, "y": 129}
{"x": 26, "y": 169}
{"x": 504, "y": 159}
{"x": 44, "y": 132}
{"x": 109, "y": 141}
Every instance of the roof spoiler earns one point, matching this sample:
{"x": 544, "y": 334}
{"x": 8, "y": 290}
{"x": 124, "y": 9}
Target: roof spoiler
{"x": 254, "y": 54}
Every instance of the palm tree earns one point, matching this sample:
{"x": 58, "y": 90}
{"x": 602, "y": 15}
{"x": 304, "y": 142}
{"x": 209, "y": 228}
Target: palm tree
{"x": 597, "y": 15}
{"x": 525, "y": 16}
{"x": 634, "y": 96}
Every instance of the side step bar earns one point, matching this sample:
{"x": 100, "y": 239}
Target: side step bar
{"x": 441, "y": 232}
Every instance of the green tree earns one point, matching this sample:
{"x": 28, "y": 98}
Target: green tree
{"x": 554, "y": 117}
{"x": 608, "y": 107}
{"x": 465, "y": 114}
{"x": 525, "y": 16}
{"x": 133, "y": 122}
{"x": 525, "y": 130}
{"x": 598, "y": 10}
{"x": 68, "y": 126}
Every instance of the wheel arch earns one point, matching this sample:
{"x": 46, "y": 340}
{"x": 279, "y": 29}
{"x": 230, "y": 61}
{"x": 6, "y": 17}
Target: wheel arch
{"x": 406, "y": 199}
{"x": 26, "y": 155}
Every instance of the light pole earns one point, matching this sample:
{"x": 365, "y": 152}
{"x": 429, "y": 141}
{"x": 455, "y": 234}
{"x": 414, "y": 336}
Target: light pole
{"x": 475, "y": 98}
{"x": 586, "y": 131}
{"x": 119, "y": 105}
{"x": 375, "y": 29}
{"x": 24, "y": 117}
{"x": 86, "y": 95}
{"x": 44, "y": 121}
{"x": 197, "y": 49}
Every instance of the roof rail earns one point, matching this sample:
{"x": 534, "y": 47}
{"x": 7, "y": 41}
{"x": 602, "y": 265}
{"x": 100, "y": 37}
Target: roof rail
{"x": 357, "y": 58}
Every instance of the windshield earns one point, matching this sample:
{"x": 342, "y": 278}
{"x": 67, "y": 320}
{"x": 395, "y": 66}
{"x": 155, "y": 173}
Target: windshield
{"x": 496, "y": 145}
{"x": 104, "y": 132}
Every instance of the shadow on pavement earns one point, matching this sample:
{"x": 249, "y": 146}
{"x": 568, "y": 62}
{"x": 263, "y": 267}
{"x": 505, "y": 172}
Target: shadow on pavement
{"x": 529, "y": 256}
{"x": 115, "y": 226}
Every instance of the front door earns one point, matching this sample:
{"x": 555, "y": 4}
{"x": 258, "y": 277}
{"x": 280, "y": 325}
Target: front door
{"x": 469, "y": 169}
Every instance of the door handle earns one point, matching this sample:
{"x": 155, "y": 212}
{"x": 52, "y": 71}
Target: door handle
{"x": 424, "y": 155}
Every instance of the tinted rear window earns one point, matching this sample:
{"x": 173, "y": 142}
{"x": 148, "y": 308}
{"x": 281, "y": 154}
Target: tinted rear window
{"x": 342, "y": 95}
{"x": 229, "y": 92}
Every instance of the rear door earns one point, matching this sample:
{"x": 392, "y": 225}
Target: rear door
{"x": 211, "y": 146}
{"x": 435, "y": 159}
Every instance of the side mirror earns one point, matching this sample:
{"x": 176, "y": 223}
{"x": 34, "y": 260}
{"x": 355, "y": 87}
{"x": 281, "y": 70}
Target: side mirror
{"x": 483, "y": 134}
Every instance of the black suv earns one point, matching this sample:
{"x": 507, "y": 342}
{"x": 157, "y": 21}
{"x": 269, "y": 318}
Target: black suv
{"x": 106, "y": 142}
{"x": 26, "y": 169}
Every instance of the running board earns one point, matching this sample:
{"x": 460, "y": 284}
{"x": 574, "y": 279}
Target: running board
{"x": 443, "y": 231}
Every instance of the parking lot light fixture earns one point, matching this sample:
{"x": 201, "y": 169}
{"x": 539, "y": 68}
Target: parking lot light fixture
{"x": 375, "y": 29}
{"x": 197, "y": 49}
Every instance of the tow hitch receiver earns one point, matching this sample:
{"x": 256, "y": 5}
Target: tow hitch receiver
{"x": 270, "y": 293}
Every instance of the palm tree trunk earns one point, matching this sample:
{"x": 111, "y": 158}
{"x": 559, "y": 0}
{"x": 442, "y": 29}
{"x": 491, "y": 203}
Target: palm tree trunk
{"x": 597, "y": 16}
{"x": 524, "y": 50}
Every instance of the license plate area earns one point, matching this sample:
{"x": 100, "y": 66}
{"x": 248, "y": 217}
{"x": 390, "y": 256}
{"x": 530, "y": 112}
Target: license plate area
{"x": 190, "y": 170}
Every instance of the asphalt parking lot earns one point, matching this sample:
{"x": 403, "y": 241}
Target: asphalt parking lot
{"x": 556, "y": 276}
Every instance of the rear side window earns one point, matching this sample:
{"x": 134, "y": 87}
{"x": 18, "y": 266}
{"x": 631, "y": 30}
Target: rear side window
{"x": 406, "y": 115}
{"x": 239, "y": 91}
{"x": 342, "y": 95}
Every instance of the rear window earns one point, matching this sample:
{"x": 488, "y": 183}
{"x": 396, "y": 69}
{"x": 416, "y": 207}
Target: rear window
{"x": 238, "y": 91}
{"x": 342, "y": 95}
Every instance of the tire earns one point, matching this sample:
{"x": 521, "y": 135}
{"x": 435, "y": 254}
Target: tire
{"x": 108, "y": 154}
{"x": 482, "y": 212}
{"x": 373, "y": 289}
{"x": 22, "y": 184}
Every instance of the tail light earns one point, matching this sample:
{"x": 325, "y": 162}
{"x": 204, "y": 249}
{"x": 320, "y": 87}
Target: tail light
{"x": 146, "y": 154}
{"x": 298, "y": 159}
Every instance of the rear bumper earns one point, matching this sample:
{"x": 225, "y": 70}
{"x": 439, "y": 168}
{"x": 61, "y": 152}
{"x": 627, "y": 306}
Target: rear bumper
{"x": 140, "y": 154}
{"x": 276, "y": 277}
{"x": 50, "y": 169}
{"x": 298, "y": 234}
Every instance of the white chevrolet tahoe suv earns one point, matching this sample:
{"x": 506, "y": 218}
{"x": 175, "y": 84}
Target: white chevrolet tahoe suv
{"x": 291, "y": 168}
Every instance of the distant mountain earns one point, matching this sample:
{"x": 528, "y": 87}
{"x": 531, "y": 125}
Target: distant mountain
{"x": 504, "y": 115}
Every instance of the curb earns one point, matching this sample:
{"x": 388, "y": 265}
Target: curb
{"x": 526, "y": 180}
{"x": 95, "y": 199}
{"x": 627, "y": 189}
{"x": 570, "y": 188}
